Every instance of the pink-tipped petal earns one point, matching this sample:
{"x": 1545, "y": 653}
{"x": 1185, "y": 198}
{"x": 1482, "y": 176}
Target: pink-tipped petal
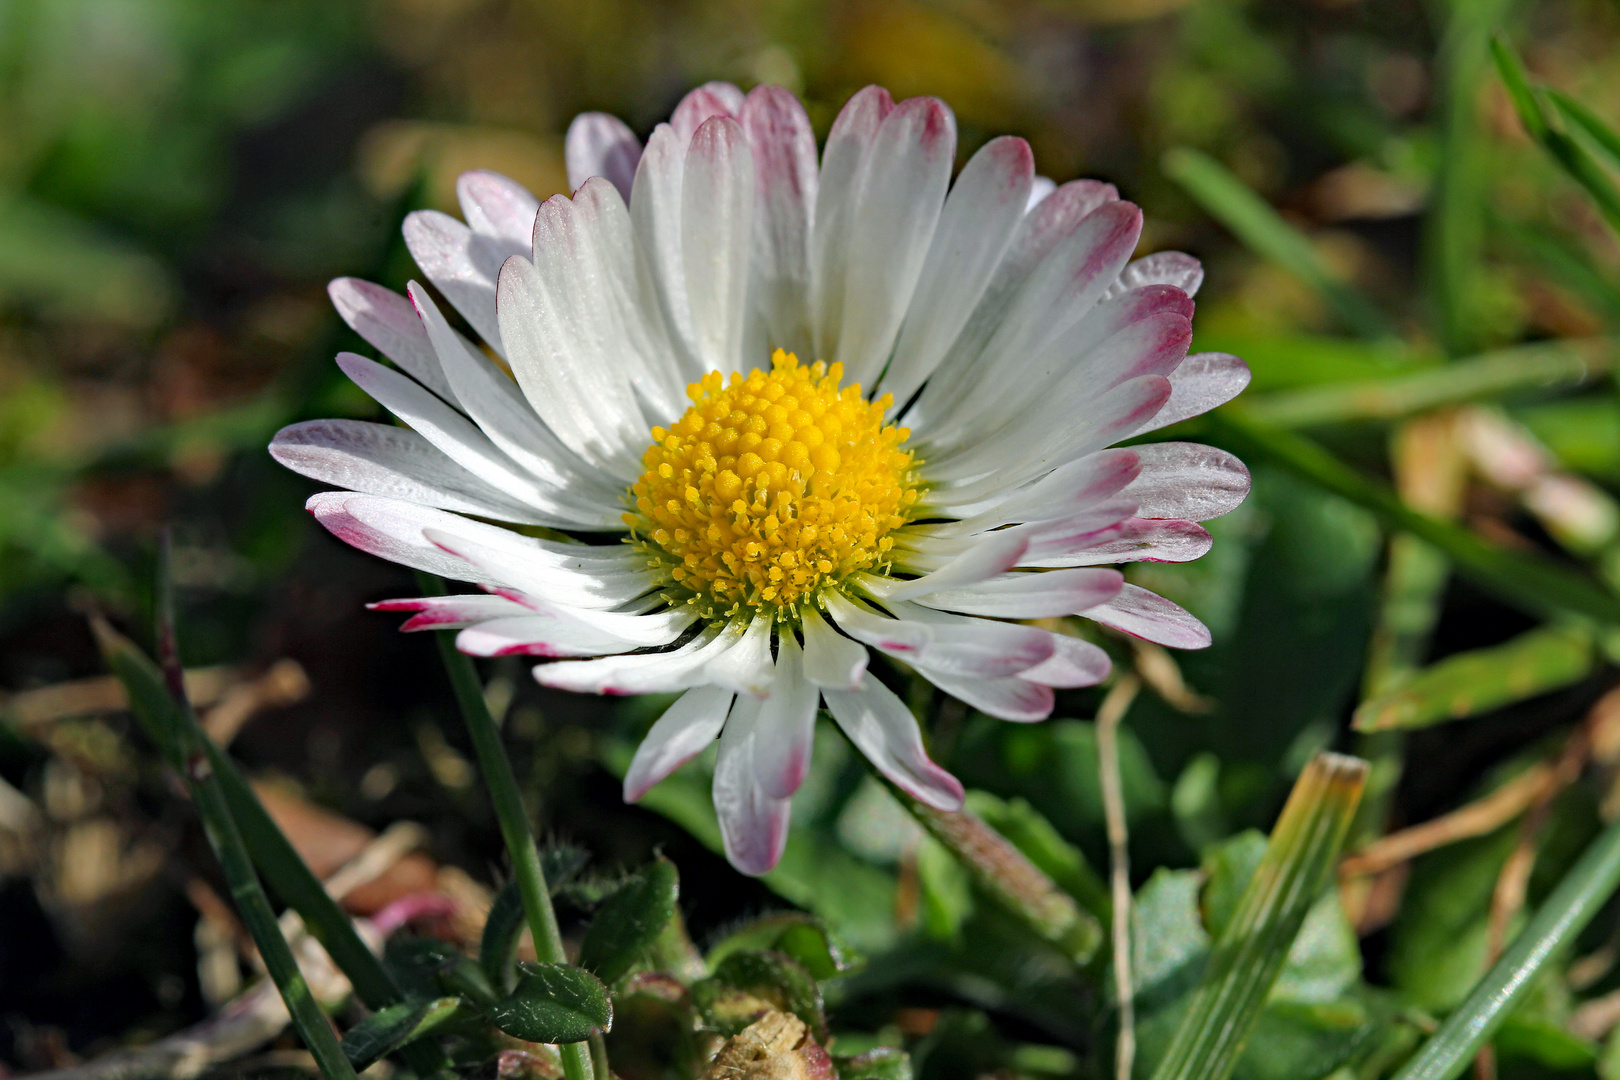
{"x": 1188, "y": 480}
{"x": 882, "y": 728}
{"x": 786, "y": 727}
{"x": 1073, "y": 663}
{"x": 387, "y": 321}
{"x": 1147, "y": 615}
{"x": 685, "y": 730}
{"x": 830, "y": 659}
{"x": 1033, "y": 595}
{"x": 599, "y": 144}
{"x": 753, "y": 826}
{"x": 1199, "y": 384}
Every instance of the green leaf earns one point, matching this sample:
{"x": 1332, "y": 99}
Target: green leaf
{"x": 746, "y": 982}
{"x": 1588, "y": 121}
{"x": 1536, "y": 368}
{"x": 383, "y": 1032}
{"x": 1229, "y": 201}
{"x": 804, "y": 938}
{"x": 1469, "y": 683}
{"x": 497, "y": 946}
{"x": 1554, "y": 926}
{"x": 883, "y": 1063}
{"x": 630, "y": 921}
{"x": 428, "y": 967}
{"x": 1249, "y": 954}
{"x": 1531, "y": 582}
{"x": 554, "y": 1003}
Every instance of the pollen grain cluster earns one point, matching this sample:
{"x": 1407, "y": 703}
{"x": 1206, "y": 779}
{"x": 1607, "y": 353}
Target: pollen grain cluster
{"x": 772, "y": 486}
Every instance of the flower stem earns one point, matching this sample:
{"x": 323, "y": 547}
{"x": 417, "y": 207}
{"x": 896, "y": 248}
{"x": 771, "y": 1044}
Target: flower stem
{"x": 1113, "y": 710}
{"x": 514, "y": 822}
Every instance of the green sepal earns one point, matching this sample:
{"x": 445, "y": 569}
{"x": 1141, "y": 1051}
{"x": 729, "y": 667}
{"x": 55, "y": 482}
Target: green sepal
{"x": 630, "y": 921}
{"x": 554, "y": 1003}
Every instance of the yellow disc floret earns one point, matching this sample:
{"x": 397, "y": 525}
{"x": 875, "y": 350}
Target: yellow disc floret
{"x": 771, "y": 487}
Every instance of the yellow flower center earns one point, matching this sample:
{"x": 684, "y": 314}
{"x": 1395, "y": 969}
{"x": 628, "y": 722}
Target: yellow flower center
{"x": 771, "y": 487}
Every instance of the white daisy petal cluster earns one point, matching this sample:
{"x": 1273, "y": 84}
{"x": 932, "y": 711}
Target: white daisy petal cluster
{"x": 718, "y": 517}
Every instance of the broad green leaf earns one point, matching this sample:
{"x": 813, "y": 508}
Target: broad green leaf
{"x": 802, "y": 937}
{"x": 1583, "y": 432}
{"x": 1531, "y": 582}
{"x": 1545, "y": 1042}
{"x": 1535, "y": 368}
{"x": 628, "y": 923}
{"x": 1249, "y": 954}
{"x": 383, "y": 1032}
{"x": 1469, "y": 683}
{"x": 1252, "y": 220}
{"x": 1553, "y": 928}
{"x": 503, "y": 928}
{"x": 747, "y": 981}
{"x": 945, "y": 891}
{"x": 554, "y": 1003}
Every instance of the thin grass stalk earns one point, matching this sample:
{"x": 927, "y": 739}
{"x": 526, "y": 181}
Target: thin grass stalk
{"x": 1553, "y": 928}
{"x": 1530, "y": 582}
{"x": 1245, "y": 962}
{"x": 514, "y": 821}
{"x": 1109, "y": 715}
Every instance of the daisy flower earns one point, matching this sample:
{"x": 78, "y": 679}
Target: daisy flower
{"x": 740, "y": 416}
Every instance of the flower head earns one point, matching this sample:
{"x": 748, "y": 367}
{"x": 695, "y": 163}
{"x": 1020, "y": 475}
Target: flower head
{"x": 772, "y": 412}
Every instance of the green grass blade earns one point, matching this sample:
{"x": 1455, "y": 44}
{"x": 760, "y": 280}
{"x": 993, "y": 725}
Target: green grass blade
{"x": 1569, "y": 154}
{"x": 1527, "y": 581}
{"x": 1246, "y": 960}
{"x": 1252, "y": 220}
{"x": 1588, "y": 121}
{"x": 160, "y": 711}
{"x": 1536, "y": 368}
{"x": 1468, "y": 683}
{"x": 1555, "y": 925}
{"x": 516, "y": 831}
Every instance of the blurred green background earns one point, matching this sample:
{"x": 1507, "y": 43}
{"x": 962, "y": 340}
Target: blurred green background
{"x": 180, "y": 178}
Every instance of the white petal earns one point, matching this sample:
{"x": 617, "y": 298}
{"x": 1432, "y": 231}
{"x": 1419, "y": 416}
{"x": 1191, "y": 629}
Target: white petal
{"x": 685, "y": 730}
{"x": 462, "y": 441}
{"x": 450, "y": 612}
{"x": 882, "y": 728}
{"x": 1143, "y": 614}
{"x": 1013, "y": 699}
{"x": 1062, "y": 491}
{"x": 548, "y": 322}
{"x": 498, "y": 210}
{"x": 459, "y": 266}
{"x": 389, "y": 529}
{"x": 746, "y": 668}
{"x": 395, "y": 462}
{"x": 786, "y": 726}
{"x": 600, "y": 144}
{"x": 934, "y": 641}
{"x": 585, "y": 592}
{"x": 641, "y": 673}
{"x": 702, "y": 105}
{"x": 1188, "y": 480}
{"x": 1037, "y": 595}
{"x": 1038, "y": 191}
{"x": 1058, "y": 294}
{"x": 1074, "y": 663}
{"x": 1135, "y": 540}
{"x": 830, "y": 659}
{"x": 1203, "y": 381}
{"x": 498, "y": 407}
{"x": 1038, "y": 234}
{"x": 537, "y": 635}
{"x": 843, "y": 165}
{"x": 901, "y": 193}
{"x": 983, "y": 558}
{"x": 386, "y": 320}
{"x": 655, "y": 213}
{"x": 1016, "y": 455}
{"x": 753, "y": 826}
{"x": 784, "y": 152}
{"x": 975, "y": 229}
{"x": 717, "y": 214}
{"x": 1162, "y": 268}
